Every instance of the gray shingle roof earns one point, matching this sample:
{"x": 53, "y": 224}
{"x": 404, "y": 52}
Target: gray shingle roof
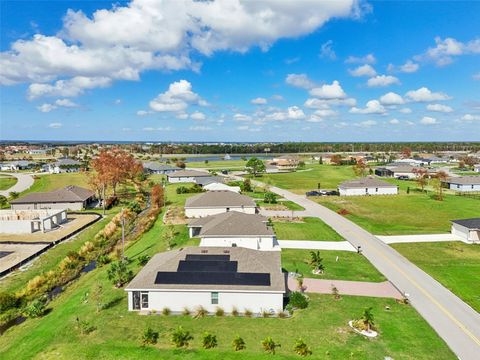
{"x": 232, "y": 223}
{"x": 366, "y": 182}
{"x": 67, "y": 162}
{"x": 208, "y": 180}
{"x": 69, "y": 193}
{"x": 464, "y": 180}
{"x": 156, "y": 166}
{"x": 249, "y": 261}
{"x": 189, "y": 173}
{"x": 220, "y": 198}
{"x": 472, "y": 224}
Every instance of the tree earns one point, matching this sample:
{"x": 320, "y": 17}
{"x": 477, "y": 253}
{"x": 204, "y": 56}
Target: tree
{"x": 255, "y": 166}
{"x": 298, "y": 300}
{"x": 180, "y": 164}
{"x": 246, "y": 185}
{"x": 301, "y": 164}
{"x": 3, "y": 201}
{"x": 97, "y": 296}
{"x": 149, "y": 337}
{"x": 360, "y": 168}
{"x": 316, "y": 262}
{"x": 368, "y": 318}
{"x": 157, "y": 196}
{"x": 470, "y": 161}
{"x": 441, "y": 177}
{"x": 301, "y": 348}
{"x": 269, "y": 345}
{"x": 119, "y": 273}
{"x": 336, "y": 159}
{"x": 270, "y": 198}
{"x": 238, "y": 344}
{"x": 421, "y": 177}
{"x": 14, "y": 194}
{"x": 320, "y": 160}
{"x": 169, "y": 236}
{"x": 36, "y": 308}
{"x": 181, "y": 338}
{"x": 406, "y": 153}
{"x": 209, "y": 341}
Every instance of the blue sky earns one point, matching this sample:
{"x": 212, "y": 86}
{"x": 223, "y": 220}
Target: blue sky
{"x": 236, "y": 71}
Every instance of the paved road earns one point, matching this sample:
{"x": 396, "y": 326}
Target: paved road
{"x": 456, "y": 322}
{"x": 316, "y": 245}
{"x": 357, "y": 288}
{"x": 24, "y": 181}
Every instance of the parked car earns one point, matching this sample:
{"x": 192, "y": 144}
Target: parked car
{"x": 402, "y": 177}
{"x": 225, "y": 172}
{"x": 313, "y": 193}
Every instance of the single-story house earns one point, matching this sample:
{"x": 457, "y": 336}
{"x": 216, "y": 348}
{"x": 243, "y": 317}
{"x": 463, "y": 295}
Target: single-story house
{"x": 467, "y": 229}
{"x": 30, "y": 221}
{"x": 233, "y": 278}
{"x": 285, "y": 163}
{"x": 153, "y": 167}
{"x": 403, "y": 170}
{"x": 70, "y": 197}
{"x": 64, "y": 165}
{"x": 217, "y": 202}
{"x": 463, "y": 183}
{"x": 216, "y": 186}
{"x": 367, "y": 186}
{"x": 186, "y": 176}
{"x": 476, "y": 168}
{"x": 234, "y": 229}
{"x": 411, "y": 162}
{"x": 205, "y": 180}
{"x": 17, "y": 165}
{"x": 383, "y": 172}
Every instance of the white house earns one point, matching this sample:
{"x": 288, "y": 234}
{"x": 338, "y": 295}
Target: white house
{"x": 403, "y": 171}
{"x": 463, "y": 183}
{"x": 367, "y": 186}
{"x": 214, "y": 277}
{"x": 70, "y": 198}
{"x": 476, "y": 168}
{"x": 217, "y": 202}
{"x": 29, "y": 221}
{"x": 217, "y": 186}
{"x": 64, "y": 165}
{"x": 186, "y": 176}
{"x": 467, "y": 229}
{"x": 153, "y": 167}
{"x": 234, "y": 229}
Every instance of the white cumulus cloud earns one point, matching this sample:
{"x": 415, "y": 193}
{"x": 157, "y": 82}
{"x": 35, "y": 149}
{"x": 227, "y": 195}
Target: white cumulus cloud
{"x": 176, "y": 99}
{"x": 329, "y": 91}
{"x": 299, "y": 80}
{"x": 439, "y": 108}
{"x": 55, "y": 125}
{"x": 197, "y": 115}
{"x": 391, "y": 98}
{"x": 424, "y": 94}
{"x": 363, "y": 70}
{"x": 382, "y": 80}
{"x": 259, "y": 101}
{"x": 367, "y": 59}
{"x": 427, "y": 120}
{"x": 445, "y": 50}
{"x": 372, "y": 107}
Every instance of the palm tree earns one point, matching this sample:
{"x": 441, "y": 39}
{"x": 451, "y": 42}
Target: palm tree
{"x": 368, "y": 318}
{"x": 316, "y": 262}
{"x": 442, "y": 176}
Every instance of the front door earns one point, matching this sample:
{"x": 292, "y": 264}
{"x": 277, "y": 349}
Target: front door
{"x": 136, "y": 300}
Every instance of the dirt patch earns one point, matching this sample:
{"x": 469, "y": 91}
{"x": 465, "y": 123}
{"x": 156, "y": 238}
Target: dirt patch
{"x": 296, "y": 220}
{"x": 175, "y": 215}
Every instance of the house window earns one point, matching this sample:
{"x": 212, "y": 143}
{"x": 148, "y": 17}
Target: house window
{"x": 228, "y": 209}
{"x": 214, "y": 298}
{"x": 136, "y": 300}
{"x": 144, "y": 298}
{"x": 376, "y": 189}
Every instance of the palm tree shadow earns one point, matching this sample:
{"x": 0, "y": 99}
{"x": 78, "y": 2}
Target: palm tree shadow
{"x": 113, "y": 302}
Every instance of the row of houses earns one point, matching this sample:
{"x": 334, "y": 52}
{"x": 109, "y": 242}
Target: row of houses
{"x": 237, "y": 266}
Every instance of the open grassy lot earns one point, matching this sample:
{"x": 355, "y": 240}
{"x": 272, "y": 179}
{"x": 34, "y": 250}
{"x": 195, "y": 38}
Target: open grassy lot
{"x": 299, "y": 182}
{"x": 222, "y": 164}
{"x": 454, "y": 264}
{"x": 49, "y": 182}
{"x": 349, "y": 266}
{"x": 6, "y": 182}
{"x": 309, "y": 229}
{"x": 404, "y": 214}
{"x": 117, "y": 335}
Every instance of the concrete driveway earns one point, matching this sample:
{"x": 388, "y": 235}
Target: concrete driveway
{"x": 24, "y": 181}
{"x": 455, "y": 321}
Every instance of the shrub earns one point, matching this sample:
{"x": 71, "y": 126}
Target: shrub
{"x": 143, "y": 259}
{"x": 36, "y": 308}
{"x": 282, "y": 314}
{"x": 200, "y": 312}
{"x": 248, "y": 313}
{"x": 298, "y": 300}
{"x": 219, "y": 311}
{"x": 266, "y": 313}
{"x": 150, "y": 337}
{"x": 238, "y": 344}
{"x": 103, "y": 260}
{"x": 270, "y": 198}
{"x": 84, "y": 327}
{"x": 335, "y": 293}
{"x": 343, "y": 212}
{"x": 301, "y": 348}
{"x": 166, "y": 311}
{"x": 134, "y": 206}
{"x": 235, "y": 311}
{"x": 269, "y": 345}
{"x": 246, "y": 186}
{"x": 186, "y": 311}
{"x": 119, "y": 274}
{"x": 209, "y": 341}
{"x": 181, "y": 338}
{"x": 7, "y": 301}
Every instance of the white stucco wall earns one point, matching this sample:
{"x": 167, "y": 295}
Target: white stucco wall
{"x": 408, "y": 174}
{"x": 178, "y": 300}
{"x": 371, "y": 191}
{"x": 202, "y": 212}
{"x": 59, "y": 206}
{"x": 264, "y": 243}
{"x": 189, "y": 179}
{"x": 466, "y": 188}
{"x": 465, "y": 233}
{"x": 219, "y": 186}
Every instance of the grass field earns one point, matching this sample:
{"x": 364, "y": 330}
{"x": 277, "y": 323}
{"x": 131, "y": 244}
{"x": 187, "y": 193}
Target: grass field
{"x": 49, "y": 182}
{"x": 404, "y": 214}
{"x": 301, "y": 181}
{"x": 323, "y": 325}
{"x": 6, "y": 182}
{"x": 350, "y": 265}
{"x": 218, "y": 165}
{"x": 454, "y": 264}
{"x": 309, "y": 229}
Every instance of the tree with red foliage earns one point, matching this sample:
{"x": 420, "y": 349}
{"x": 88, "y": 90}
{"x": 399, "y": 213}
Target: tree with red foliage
{"x": 158, "y": 196}
{"x": 406, "y": 153}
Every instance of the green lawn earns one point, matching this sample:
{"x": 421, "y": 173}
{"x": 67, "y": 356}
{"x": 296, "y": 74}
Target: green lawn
{"x": 309, "y": 229}
{"x": 323, "y": 325}
{"x": 6, "y": 182}
{"x": 404, "y": 214}
{"x": 299, "y": 182}
{"x": 350, "y": 265}
{"x": 49, "y": 182}
{"x": 454, "y": 264}
{"x": 221, "y": 164}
